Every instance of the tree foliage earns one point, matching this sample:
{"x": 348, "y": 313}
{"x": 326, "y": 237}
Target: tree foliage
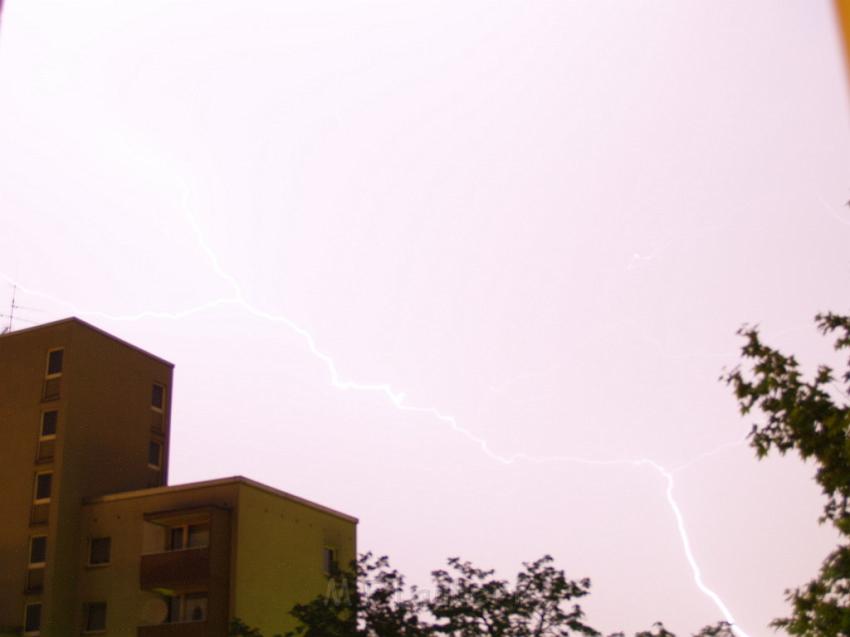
{"x": 466, "y": 602}
{"x": 372, "y": 600}
{"x": 541, "y": 603}
{"x": 812, "y": 418}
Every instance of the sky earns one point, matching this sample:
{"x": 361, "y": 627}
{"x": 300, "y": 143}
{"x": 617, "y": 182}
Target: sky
{"x": 469, "y": 271}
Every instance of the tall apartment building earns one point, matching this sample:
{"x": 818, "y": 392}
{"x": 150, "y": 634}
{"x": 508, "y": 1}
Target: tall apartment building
{"x": 93, "y": 541}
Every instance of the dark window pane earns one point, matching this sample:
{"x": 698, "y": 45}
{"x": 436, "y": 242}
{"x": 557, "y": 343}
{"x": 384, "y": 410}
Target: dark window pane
{"x": 173, "y": 610}
{"x": 196, "y": 607}
{"x": 329, "y": 561}
{"x": 43, "y": 483}
{"x": 96, "y": 616}
{"x": 157, "y": 396}
{"x": 176, "y": 539}
{"x": 100, "y": 550}
{"x": 54, "y": 362}
{"x": 32, "y": 621}
{"x": 199, "y": 535}
{"x": 48, "y": 423}
{"x": 38, "y": 550}
{"x": 154, "y": 453}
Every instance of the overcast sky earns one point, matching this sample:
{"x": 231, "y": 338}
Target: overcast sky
{"x": 522, "y": 227}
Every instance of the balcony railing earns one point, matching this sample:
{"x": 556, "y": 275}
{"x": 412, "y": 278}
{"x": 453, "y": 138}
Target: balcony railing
{"x": 173, "y": 569}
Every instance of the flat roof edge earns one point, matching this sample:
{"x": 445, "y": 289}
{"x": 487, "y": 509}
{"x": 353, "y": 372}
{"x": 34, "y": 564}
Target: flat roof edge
{"x": 239, "y": 480}
{"x": 289, "y": 496}
{"x": 94, "y": 328}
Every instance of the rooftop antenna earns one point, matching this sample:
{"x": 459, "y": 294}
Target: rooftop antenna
{"x": 14, "y": 306}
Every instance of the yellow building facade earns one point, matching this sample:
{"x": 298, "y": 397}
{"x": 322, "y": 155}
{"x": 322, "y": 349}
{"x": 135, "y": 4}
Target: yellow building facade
{"x": 94, "y": 541}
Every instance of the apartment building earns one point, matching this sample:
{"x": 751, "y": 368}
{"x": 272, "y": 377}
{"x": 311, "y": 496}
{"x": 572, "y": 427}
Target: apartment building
{"x": 93, "y": 540}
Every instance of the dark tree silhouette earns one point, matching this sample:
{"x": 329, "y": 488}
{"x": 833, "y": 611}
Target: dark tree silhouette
{"x": 372, "y": 600}
{"x": 469, "y": 601}
{"x": 812, "y": 418}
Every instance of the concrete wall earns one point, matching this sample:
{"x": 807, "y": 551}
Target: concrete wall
{"x": 22, "y": 371}
{"x": 126, "y": 520}
{"x": 101, "y": 447}
{"x": 278, "y": 560}
{"x": 265, "y": 554}
{"x": 266, "y": 547}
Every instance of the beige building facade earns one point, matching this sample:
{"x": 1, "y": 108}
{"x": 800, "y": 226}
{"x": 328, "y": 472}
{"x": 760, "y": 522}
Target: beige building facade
{"x": 94, "y": 541}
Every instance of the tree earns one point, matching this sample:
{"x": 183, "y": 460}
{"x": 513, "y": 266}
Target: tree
{"x": 238, "y": 628}
{"x": 470, "y": 601}
{"x": 467, "y": 601}
{"x": 812, "y": 418}
{"x": 372, "y": 600}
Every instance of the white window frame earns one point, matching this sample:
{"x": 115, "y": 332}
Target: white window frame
{"x": 35, "y": 498}
{"x": 34, "y": 565}
{"x": 40, "y": 618}
{"x": 41, "y": 434}
{"x": 47, "y": 363}
{"x": 158, "y": 467}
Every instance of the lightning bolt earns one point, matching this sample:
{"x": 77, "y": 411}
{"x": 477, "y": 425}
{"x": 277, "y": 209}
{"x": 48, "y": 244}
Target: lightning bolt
{"x": 689, "y": 554}
{"x": 399, "y": 401}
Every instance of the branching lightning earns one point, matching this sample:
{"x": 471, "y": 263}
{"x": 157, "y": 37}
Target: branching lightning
{"x": 399, "y": 400}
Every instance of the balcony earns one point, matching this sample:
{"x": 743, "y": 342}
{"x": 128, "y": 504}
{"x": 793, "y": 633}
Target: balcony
{"x": 175, "y": 569}
{"x": 180, "y": 629}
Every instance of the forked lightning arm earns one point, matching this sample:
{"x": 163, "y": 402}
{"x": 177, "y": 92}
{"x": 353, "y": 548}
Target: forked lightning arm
{"x": 399, "y": 400}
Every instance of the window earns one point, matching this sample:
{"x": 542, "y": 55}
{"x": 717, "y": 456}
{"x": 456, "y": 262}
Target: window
{"x": 100, "y": 549}
{"x": 191, "y": 607}
{"x": 95, "y": 617}
{"x": 189, "y": 536}
{"x": 175, "y": 541}
{"x": 198, "y": 535}
{"x": 329, "y": 564}
{"x": 38, "y": 551}
{"x": 157, "y": 396}
{"x": 195, "y": 607}
{"x": 54, "y": 363}
{"x": 155, "y": 454}
{"x": 43, "y": 486}
{"x": 48, "y": 424}
{"x": 174, "y": 613}
{"x": 32, "y": 619}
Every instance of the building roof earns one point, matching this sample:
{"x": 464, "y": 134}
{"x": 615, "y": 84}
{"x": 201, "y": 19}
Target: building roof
{"x": 89, "y": 326}
{"x": 142, "y": 493}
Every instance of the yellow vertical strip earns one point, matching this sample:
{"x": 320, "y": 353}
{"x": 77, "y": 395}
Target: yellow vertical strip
{"x": 842, "y": 12}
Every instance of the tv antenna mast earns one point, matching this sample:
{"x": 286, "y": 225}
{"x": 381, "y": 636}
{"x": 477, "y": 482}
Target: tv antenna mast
{"x": 11, "y": 315}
